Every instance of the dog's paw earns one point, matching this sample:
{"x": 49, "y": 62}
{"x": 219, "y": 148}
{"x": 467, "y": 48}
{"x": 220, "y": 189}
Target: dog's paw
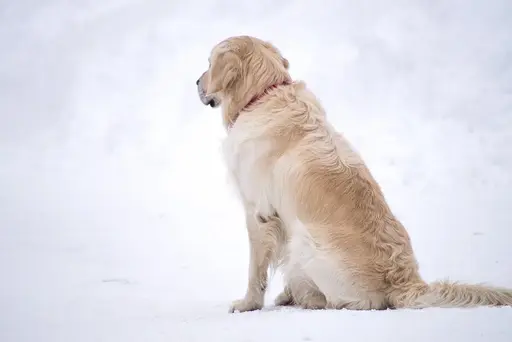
{"x": 243, "y": 305}
{"x": 283, "y": 299}
{"x": 314, "y": 302}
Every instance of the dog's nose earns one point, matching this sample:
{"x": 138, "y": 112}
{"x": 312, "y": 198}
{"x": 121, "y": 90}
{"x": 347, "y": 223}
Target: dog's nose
{"x": 197, "y": 82}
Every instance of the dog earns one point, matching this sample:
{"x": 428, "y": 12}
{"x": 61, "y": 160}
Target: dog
{"x": 312, "y": 208}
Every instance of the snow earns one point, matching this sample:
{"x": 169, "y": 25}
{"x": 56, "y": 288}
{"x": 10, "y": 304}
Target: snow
{"x": 117, "y": 222}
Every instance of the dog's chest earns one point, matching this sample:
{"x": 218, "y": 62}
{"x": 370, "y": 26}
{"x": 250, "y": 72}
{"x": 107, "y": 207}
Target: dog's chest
{"x": 249, "y": 161}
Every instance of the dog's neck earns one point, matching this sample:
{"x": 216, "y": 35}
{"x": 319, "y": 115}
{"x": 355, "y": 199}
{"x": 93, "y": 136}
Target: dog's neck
{"x": 255, "y": 99}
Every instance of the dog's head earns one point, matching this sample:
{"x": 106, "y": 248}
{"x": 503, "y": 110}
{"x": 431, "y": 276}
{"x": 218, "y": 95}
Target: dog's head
{"x": 240, "y": 68}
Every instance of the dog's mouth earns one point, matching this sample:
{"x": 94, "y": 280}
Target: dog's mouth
{"x": 212, "y": 103}
{"x": 211, "y": 100}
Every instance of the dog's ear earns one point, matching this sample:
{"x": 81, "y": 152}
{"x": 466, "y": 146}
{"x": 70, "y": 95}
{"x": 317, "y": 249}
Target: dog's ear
{"x": 225, "y": 70}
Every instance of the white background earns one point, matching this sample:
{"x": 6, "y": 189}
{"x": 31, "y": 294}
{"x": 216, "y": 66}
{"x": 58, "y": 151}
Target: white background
{"x": 117, "y": 222}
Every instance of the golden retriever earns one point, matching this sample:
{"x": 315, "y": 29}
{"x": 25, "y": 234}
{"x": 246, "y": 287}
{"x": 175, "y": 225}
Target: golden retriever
{"x": 312, "y": 207}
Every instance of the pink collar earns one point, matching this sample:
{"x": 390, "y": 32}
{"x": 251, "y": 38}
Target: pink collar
{"x": 258, "y": 97}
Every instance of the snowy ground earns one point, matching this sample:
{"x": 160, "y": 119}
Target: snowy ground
{"x": 116, "y": 221}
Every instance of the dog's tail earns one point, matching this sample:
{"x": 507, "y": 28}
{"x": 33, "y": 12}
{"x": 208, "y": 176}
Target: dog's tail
{"x": 452, "y": 294}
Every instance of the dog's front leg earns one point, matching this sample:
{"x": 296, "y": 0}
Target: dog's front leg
{"x": 260, "y": 254}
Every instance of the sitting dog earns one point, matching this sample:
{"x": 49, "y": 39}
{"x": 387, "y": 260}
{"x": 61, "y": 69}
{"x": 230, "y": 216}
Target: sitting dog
{"x": 312, "y": 207}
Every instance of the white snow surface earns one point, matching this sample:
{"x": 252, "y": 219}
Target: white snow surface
{"x": 117, "y": 222}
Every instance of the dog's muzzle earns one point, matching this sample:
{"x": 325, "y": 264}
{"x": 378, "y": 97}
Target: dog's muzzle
{"x": 206, "y": 100}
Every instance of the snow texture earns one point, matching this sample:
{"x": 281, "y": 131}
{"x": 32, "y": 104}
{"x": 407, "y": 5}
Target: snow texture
{"x": 117, "y": 222}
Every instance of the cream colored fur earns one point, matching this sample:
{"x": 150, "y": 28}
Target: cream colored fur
{"x": 312, "y": 207}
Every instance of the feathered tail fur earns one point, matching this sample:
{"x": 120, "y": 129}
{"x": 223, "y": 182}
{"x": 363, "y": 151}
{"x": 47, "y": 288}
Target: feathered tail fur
{"x": 455, "y": 295}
